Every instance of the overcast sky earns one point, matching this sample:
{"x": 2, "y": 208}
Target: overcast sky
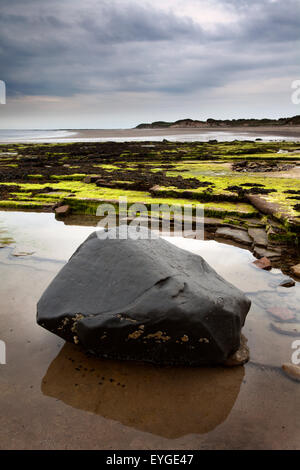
{"x": 116, "y": 63}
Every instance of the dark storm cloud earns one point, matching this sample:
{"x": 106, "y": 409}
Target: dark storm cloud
{"x": 265, "y": 20}
{"x": 43, "y": 53}
{"x": 117, "y": 25}
{"x": 67, "y": 47}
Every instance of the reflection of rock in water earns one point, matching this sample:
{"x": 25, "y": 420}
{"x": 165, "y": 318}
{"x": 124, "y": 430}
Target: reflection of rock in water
{"x": 269, "y": 328}
{"x": 165, "y": 401}
{"x": 281, "y": 306}
{"x": 5, "y": 239}
{"x": 82, "y": 220}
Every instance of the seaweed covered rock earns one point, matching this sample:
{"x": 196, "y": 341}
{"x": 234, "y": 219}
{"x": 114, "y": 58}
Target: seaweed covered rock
{"x": 144, "y": 300}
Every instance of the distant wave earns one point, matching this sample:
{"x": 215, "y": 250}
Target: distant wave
{"x": 7, "y": 135}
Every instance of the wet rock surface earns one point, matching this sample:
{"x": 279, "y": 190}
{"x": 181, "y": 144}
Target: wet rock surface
{"x": 265, "y": 253}
{"x": 287, "y": 283}
{"x": 296, "y": 270}
{"x": 259, "y": 236}
{"x": 261, "y": 166}
{"x": 241, "y": 356}
{"x": 237, "y": 235}
{"x": 144, "y": 300}
{"x": 62, "y": 210}
{"x": 263, "y": 263}
{"x": 292, "y": 371}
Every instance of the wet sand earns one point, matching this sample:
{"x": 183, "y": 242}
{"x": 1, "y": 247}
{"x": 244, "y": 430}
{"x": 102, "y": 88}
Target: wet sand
{"x": 186, "y": 134}
{"x": 283, "y": 131}
{"x": 53, "y": 396}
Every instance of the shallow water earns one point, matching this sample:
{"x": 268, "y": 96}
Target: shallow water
{"x": 130, "y": 135}
{"x": 53, "y": 396}
{"x": 24, "y": 135}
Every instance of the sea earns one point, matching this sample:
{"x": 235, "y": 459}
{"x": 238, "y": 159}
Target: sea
{"x": 121, "y": 135}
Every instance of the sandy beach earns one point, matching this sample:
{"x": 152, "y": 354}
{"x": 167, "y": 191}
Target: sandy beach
{"x": 284, "y": 131}
{"x": 174, "y": 134}
{"x": 54, "y": 396}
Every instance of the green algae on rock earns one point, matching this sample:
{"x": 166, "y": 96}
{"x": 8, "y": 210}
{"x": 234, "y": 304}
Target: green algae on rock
{"x": 82, "y": 175}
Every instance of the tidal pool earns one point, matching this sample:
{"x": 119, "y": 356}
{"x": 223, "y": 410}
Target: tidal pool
{"x": 53, "y": 396}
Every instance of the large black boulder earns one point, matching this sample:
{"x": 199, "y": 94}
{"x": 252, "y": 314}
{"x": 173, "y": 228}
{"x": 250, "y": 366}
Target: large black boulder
{"x": 144, "y": 300}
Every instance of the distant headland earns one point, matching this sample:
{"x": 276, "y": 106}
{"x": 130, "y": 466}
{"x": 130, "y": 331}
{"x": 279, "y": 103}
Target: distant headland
{"x": 186, "y": 123}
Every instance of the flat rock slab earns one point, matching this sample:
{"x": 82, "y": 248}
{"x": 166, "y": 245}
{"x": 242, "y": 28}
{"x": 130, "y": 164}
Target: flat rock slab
{"x": 265, "y": 253}
{"x": 144, "y": 300}
{"x": 259, "y": 236}
{"x": 255, "y": 223}
{"x": 237, "y": 235}
{"x": 212, "y": 222}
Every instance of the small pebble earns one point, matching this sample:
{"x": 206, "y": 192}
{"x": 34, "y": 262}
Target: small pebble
{"x": 292, "y": 371}
{"x": 287, "y": 283}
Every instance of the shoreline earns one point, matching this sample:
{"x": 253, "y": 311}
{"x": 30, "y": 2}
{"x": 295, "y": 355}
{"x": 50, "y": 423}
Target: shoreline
{"x": 184, "y": 134}
{"x": 284, "y": 131}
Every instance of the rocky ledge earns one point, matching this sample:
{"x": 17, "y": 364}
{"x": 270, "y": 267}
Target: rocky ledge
{"x": 145, "y": 300}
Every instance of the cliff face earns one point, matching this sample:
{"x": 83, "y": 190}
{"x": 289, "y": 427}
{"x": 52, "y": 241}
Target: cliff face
{"x": 191, "y": 123}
